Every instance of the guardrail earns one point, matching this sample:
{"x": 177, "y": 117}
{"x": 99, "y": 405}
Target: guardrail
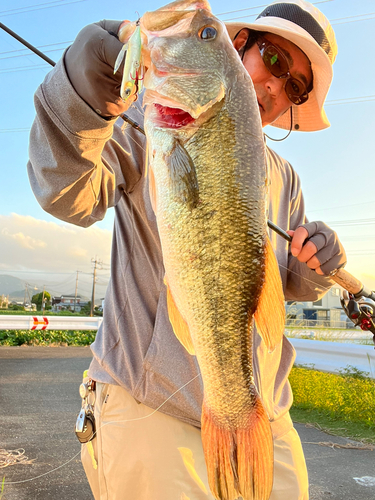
{"x": 331, "y": 335}
{"x": 319, "y": 323}
{"x": 10, "y": 322}
{"x": 333, "y": 357}
{"x": 324, "y": 356}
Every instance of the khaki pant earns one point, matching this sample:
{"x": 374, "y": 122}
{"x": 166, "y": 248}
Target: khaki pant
{"x": 161, "y": 458}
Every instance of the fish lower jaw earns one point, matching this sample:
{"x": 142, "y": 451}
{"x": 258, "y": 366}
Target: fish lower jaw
{"x": 171, "y": 117}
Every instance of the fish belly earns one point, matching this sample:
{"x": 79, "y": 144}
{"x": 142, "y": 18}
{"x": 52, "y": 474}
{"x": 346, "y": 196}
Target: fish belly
{"x": 214, "y": 256}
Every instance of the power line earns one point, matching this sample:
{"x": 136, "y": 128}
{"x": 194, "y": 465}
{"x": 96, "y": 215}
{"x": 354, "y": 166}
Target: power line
{"x": 259, "y": 7}
{"x": 7, "y": 130}
{"x": 350, "y": 19}
{"x": 27, "y": 10}
{"x": 240, "y": 10}
{"x": 341, "y": 206}
{"x": 346, "y": 22}
{"x": 33, "y": 272}
{"x": 29, "y": 6}
{"x": 24, "y": 68}
{"x": 38, "y": 47}
{"x": 351, "y": 222}
{"x": 350, "y": 100}
{"x": 28, "y": 54}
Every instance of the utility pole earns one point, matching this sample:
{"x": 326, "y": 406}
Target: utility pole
{"x": 43, "y": 300}
{"x": 96, "y": 264}
{"x": 75, "y": 293}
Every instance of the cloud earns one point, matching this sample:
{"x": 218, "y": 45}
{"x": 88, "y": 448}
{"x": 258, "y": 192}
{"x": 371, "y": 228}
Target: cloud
{"x": 27, "y": 243}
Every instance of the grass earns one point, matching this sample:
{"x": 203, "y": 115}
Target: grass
{"x": 343, "y": 403}
{"x": 47, "y": 337}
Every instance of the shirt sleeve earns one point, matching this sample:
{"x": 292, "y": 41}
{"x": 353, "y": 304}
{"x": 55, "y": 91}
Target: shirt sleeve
{"x": 79, "y": 163}
{"x": 303, "y": 284}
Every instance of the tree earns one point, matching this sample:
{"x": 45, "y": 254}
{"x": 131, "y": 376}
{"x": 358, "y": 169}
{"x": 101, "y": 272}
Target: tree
{"x": 85, "y": 310}
{"x": 37, "y": 299}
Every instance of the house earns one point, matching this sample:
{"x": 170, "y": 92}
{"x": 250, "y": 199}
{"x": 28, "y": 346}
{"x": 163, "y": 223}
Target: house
{"x": 68, "y": 303}
{"x": 324, "y": 312}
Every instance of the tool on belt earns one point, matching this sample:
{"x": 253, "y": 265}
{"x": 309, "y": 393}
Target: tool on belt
{"x": 85, "y": 424}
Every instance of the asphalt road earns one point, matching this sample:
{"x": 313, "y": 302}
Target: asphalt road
{"x": 39, "y": 402}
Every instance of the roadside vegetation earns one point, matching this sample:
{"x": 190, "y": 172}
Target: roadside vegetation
{"x": 47, "y": 337}
{"x": 341, "y": 404}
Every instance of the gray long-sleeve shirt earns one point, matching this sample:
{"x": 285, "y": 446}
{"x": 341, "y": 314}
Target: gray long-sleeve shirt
{"x": 81, "y": 165}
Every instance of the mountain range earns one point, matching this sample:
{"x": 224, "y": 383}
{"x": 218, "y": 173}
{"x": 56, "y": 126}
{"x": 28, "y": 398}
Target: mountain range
{"x": 16, "y": 289}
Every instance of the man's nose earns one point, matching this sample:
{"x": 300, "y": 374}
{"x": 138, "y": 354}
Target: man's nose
{"x": 275, "y": 86}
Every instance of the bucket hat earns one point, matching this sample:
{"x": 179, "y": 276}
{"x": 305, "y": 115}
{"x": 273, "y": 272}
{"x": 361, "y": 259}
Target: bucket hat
{"x": 303, "y": 24}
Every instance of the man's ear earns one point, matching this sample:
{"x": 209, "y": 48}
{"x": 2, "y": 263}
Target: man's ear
{"x": 241, "y": 39}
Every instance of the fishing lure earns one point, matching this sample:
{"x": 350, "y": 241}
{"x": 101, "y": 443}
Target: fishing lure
{"x": 132, "y": 79}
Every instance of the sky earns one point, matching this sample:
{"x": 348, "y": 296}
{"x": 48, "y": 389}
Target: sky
{"x": 336, "y": 166}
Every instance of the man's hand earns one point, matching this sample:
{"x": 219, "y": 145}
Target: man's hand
{"x": 318, "y": 246}
{"x": 89, "y": 63}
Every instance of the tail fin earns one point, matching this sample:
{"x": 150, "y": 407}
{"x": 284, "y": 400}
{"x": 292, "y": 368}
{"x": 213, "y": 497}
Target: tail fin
{"x": 239, "y": 460}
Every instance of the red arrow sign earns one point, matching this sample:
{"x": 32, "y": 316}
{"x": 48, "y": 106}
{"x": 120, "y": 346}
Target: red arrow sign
{"x": 38, "y": 322}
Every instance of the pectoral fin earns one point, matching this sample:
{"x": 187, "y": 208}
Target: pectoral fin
{"x": 270, "y": 313}
{"x": 179, "y": 325}
{"x": 184, "y": 182}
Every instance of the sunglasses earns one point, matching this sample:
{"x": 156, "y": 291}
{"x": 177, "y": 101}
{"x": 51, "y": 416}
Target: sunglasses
{"x": 277, "y": 64}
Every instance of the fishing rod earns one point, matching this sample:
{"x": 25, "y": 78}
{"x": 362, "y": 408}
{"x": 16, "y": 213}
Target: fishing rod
{"x": 342, "y": 277}
{"x": 27, "y": 44}
{"x": 36, "y": 51}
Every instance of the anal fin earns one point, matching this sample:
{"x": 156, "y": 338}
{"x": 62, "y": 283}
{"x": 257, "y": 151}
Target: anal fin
{"x": 179, "y": 325}
{"x": 270, "y": 313}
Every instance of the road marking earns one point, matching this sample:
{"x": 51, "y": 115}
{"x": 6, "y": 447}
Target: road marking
{"x": 367, "y": 481}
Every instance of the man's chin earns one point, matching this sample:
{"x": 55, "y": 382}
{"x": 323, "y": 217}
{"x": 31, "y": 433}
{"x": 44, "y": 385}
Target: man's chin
{"x": 263, "y": 116}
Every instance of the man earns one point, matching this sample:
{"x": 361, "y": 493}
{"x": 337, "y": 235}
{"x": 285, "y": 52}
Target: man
{"x": 148, "y": 389}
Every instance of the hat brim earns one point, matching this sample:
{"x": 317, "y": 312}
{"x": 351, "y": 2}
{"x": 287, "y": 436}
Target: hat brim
{"x": 310, "y": 116}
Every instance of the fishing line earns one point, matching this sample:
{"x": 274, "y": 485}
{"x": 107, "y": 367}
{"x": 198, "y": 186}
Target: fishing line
{"x": 132, "y": 138}
{"x": 107, "y": 423}
{"x": 307, "y": 279}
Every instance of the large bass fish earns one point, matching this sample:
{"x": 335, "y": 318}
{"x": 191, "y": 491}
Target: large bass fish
{"x": 208, "y": 184}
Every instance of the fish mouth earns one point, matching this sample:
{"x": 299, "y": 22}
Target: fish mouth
{"x": 168, "y": 117}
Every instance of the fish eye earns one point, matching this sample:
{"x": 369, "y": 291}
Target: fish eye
{"x": 208, "y": 33}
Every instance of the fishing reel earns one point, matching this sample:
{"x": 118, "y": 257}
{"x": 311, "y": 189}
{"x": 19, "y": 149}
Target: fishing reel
{"x": 85, "y": 424}
{"x": 360, "y": 310}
